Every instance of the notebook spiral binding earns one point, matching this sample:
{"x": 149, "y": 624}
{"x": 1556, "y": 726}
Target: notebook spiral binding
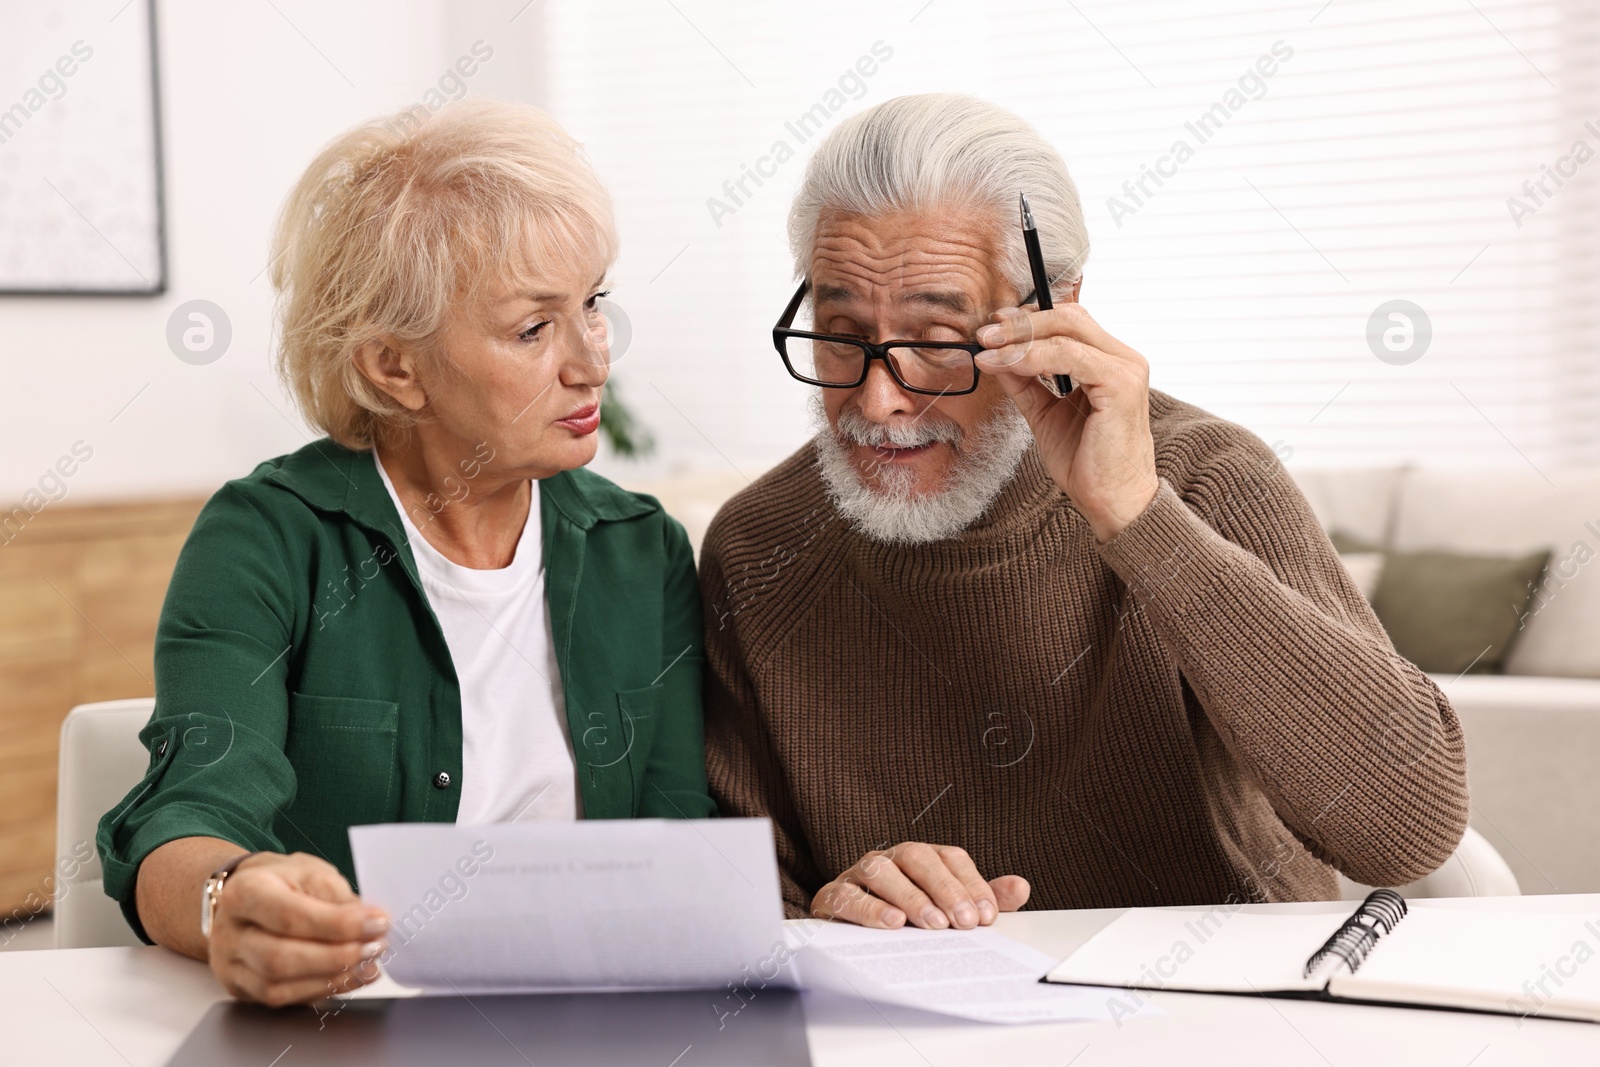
{"x": 1379, "y": 914}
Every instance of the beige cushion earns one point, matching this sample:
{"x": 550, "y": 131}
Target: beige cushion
{"x": 1503, "y": 512}
{"x": 1358, "y": 501}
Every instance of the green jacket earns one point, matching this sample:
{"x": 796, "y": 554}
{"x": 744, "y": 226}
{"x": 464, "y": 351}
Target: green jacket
{"x": 303, "y": 684}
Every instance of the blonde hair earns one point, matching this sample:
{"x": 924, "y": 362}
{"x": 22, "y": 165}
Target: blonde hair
{"x": 400, "y": 219}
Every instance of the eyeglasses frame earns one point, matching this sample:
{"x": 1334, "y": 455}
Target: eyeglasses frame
{"x": 873, "y": 351}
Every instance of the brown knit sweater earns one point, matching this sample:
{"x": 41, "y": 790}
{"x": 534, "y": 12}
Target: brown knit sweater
{"x": 1204, "y": 710}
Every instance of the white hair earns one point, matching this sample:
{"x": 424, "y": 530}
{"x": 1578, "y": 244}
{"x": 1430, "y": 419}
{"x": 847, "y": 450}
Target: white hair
{"x": 890, "y": 511}
{"x": 916, "y": 152}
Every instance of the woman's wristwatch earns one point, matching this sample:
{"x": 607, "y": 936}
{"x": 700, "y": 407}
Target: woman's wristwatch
{"x": 213, "y": 891}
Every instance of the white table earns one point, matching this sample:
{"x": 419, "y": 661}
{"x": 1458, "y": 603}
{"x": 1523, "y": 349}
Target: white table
{"x": 136, "y": 1005}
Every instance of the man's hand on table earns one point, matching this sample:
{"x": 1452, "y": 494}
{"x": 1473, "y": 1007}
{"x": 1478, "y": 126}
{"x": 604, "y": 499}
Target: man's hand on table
{"x": 289, "y": 929}
{"x": 935, "y": 887}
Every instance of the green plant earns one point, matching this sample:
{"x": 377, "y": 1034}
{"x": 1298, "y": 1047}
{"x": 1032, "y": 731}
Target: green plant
{"x": 621, "y": 428}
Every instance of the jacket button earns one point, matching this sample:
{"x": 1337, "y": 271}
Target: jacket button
{"x": 441, "y": 780}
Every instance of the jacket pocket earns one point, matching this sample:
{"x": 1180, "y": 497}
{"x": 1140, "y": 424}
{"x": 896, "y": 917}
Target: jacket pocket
{"x": 344, "y": 754}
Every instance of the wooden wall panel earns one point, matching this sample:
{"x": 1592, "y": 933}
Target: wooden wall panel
{"x": 80, "y": 592}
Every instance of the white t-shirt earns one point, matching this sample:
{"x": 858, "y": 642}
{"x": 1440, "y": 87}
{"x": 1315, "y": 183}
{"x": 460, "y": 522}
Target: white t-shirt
{"x": 516, "y": 750}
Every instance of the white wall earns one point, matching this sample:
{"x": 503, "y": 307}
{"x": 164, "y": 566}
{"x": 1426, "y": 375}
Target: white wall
{"x": 248, "y": 96}
{"x": 1373, "y": 164}
{"x": 674, "y": 99}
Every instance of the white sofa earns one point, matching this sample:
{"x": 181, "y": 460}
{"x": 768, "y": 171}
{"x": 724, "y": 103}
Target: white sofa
{"x": 1533, "y": 734}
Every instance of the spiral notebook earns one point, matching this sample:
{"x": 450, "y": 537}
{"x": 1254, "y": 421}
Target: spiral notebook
{"x": 1525, "y": 956}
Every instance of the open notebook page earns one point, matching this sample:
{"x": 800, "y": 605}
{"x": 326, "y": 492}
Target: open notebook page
{"x": 1544, "y": 963}
{"x": 1207, "y": 950}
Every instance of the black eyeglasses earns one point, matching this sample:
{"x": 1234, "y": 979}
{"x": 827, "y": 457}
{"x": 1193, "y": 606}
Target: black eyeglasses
{"x": 939, "y": 368}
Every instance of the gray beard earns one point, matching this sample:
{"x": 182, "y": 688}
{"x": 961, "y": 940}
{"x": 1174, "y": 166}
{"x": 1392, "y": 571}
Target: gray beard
{"x": 890, "y": 512}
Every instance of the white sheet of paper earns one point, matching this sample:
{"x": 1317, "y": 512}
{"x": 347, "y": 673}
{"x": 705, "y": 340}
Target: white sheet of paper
{"x": 575, "y": 906}
{"x": 971, "y": 974}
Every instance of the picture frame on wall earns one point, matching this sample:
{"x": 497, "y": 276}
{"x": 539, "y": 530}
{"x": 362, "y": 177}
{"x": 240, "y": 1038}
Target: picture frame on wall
{"x": 81, "y": 196}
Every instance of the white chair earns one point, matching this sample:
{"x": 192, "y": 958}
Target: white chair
{"x": 101, "y": 759}
{"x": 1474, "y": 869}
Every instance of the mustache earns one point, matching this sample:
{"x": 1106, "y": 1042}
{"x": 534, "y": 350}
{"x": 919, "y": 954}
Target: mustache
{"x": 853, "y": 427}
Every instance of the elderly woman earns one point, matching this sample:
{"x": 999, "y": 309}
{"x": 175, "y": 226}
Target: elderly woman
{"x": 433, "y": 613}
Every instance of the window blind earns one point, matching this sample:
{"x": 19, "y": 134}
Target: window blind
{"x": 1366, "y": 230}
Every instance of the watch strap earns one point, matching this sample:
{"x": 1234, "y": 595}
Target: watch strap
{"x": 213, "y": 891}
{"x": 232, "y": 865}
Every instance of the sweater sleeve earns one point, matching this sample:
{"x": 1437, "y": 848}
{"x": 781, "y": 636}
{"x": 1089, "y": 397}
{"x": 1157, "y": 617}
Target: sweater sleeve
{"x": 747, "y": 778}
{"x": 1358, "y": 752}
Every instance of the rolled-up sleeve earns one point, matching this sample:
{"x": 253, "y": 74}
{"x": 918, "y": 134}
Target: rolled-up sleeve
{"x": 216, "y": 739}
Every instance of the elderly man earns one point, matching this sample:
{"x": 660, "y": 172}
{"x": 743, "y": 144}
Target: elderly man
{"x": 978, "y": 643}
